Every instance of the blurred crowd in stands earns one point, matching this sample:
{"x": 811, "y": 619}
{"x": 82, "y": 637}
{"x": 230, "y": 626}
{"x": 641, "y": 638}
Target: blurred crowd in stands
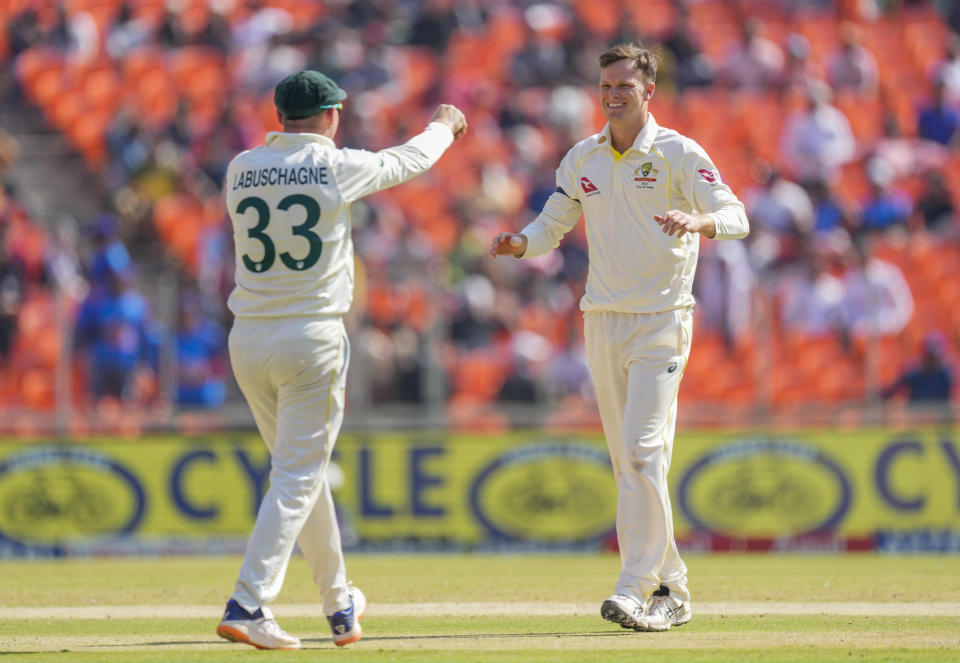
{"x": 836, "y": 121}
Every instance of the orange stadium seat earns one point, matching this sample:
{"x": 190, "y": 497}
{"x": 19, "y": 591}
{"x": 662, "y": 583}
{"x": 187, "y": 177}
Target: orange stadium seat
{"x": 65, "y": 109}
{"x": 478, "y": 375}
{"x": 150, "y": 11}
{"x": 155, "y": 98}
{"x": 506, "y": 31}
{"x": 418, "y": 72}
{"x": 822, "y": 30}
{"x": 37, "y": 388}
{"x": 138, "y": 62}
{"x": 47, "y": 86}
{"x": 304, "y": 13}
{"x": 32, "y": 64}
{"x": 602, "y": 17}
{"x": 88, "y": 134}
{"x": 866, "y": 116}
{"x": 654, "y": 18}
{"x": 102, "y": 91}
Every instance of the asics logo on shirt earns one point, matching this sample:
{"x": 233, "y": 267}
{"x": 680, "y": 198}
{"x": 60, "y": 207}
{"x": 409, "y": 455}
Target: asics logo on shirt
{"x": 708, "y": 175}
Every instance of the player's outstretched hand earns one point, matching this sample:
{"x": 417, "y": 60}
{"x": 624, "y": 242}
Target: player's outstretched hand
{"x": 681, "y": 223}
{"x": 452, "y": 117}
{"x": 508, "y": 244}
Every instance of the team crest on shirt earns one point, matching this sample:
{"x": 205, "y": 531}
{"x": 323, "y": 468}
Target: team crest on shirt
{"x": 644, "y": 175}
{"x": 589, "y": 188}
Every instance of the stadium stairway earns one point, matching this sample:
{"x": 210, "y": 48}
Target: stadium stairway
{"x": 50, "y": 177}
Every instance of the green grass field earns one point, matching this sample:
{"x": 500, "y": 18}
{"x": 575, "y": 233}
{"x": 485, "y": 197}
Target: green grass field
{"x": 492, "y": 608}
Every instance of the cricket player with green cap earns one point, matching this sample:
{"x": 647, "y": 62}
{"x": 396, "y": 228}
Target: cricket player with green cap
{"x": 290, "y": 204}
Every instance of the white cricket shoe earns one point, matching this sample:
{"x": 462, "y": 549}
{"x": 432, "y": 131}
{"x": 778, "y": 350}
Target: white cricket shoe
{"x": 258, "y": 629}
{"x": 622, "y": 609}
{"x": 345, "y": 624}
{"x": 662, "y": 611}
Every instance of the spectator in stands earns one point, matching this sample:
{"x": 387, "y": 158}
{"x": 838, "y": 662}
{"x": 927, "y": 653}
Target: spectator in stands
{"x": 756, "y": 63}
{"x": 935, "y": 211}
{"x": 24, "y": 31}
{"x": 567, "y": 372}
{"x": 170, "y": 32}
{"x": 63, "y": 260}
{"x": 129, "y": 146}
{"x": 877, "y": 300}
{"x": 542, "y": 60}
{"x": 116, "y": 337}
{"x": 519, "y": 384}
{"x": 810, "y": 294}
{"x": 725, "y": 279}
{"x": 829, "y": 212}
{"x": 905, "y": 156}
{"x": 201, "y": 356}
{"x": 217, "y": 32}
{"x": 109, "y": 256}
{"x": 929, "y": 381}
{"x": 947, "y": 72}
{"x": 801, "y": 70}
{"x": 433, "y": 25}
{"x": 474, "y": 324}
{"x": 127, "y": 33}
{"x": 343, "y": 37}
{"x": 12, "y": 287}
{"x": 691, "y": 67}
{"x": 779, "y": 205}
{"x": 75, "y": 34}
{"x": 938, "y": 121}
{"x": 262, "y": 63}
{"x": 852, "y": 68}
{"x": 818, "y": 140}
{"x": 782, "y": 217}
{"x": 887, "y": 207}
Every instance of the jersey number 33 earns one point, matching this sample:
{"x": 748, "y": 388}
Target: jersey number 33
{"x": 259, "y": 232}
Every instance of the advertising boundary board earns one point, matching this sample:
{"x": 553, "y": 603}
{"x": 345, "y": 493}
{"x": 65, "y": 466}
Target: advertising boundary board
{"x": 525, "y": 490}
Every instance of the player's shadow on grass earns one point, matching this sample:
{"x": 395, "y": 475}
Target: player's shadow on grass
{"x": 477, "y": 636}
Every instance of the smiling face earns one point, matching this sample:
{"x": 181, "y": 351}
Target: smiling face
{"x": 624, "y": 94}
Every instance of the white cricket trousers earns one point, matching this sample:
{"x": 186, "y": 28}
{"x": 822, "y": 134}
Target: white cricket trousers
{"x": 636, "y": 360}
{"x": 292, "y": 372}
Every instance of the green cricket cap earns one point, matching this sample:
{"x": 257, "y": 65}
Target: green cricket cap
{"x": 306, "y": 93}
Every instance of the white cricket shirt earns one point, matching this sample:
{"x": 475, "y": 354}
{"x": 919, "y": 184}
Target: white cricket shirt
{"x": 634, "y": 266}
{"x": 290, "y": 204}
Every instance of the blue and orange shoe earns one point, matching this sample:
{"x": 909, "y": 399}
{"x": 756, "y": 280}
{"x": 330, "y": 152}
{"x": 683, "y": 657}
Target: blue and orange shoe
{"x": 345, "y": 624}
{"x": 258, "y": 629}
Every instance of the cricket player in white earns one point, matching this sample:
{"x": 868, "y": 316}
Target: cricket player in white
{"x": 290, "y": 204}
{"x": 646, "y": 194}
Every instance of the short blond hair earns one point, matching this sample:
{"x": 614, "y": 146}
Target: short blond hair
{"x": 644, "y": 59}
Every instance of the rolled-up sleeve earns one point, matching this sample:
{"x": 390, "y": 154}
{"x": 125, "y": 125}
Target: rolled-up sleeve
{"x": 361, "y": 173}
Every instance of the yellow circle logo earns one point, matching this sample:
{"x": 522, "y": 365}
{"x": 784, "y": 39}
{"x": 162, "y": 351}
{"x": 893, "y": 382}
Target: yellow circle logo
{"x": 551, "y": 493}
{"x": 764, "y": 490}
{"x": 51, "y": 498}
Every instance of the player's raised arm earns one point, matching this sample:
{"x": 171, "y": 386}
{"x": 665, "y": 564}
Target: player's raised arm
{"x": 361, "y": 173}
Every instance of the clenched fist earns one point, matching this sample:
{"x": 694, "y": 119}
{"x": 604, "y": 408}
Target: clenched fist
{"x": 452, "y": 117}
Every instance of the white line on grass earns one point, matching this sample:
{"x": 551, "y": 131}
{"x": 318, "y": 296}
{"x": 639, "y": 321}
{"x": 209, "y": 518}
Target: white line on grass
{"x": 939, "y": 609}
